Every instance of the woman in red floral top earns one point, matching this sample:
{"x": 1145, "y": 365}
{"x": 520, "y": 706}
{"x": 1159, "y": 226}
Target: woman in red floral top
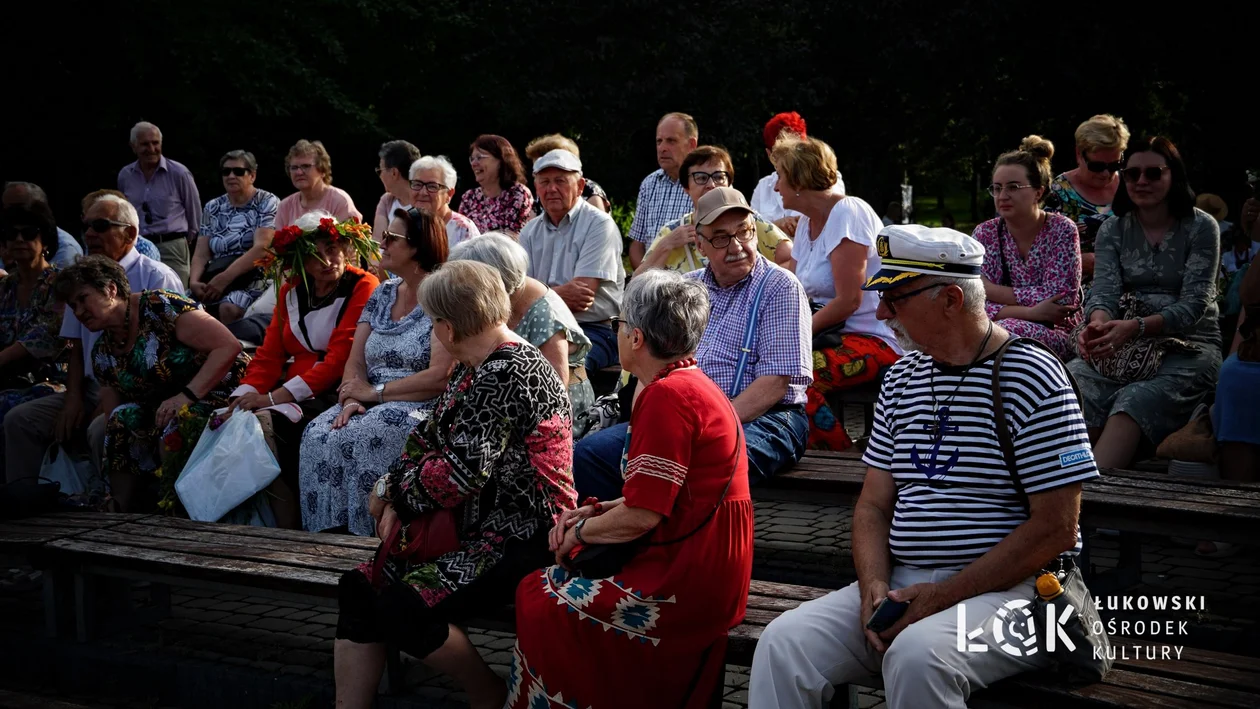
{"x": 501, "y": 201}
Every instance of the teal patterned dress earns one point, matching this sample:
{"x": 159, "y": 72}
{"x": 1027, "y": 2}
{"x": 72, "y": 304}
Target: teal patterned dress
{"x": 1177, "y": 279}
{"x": 156, "y": 369}
{"x": 36, "y": 326}
{"x": 547, "y": 316}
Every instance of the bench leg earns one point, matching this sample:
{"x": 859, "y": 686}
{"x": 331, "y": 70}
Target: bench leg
{"x": 395, "y": 680}
{"x": 57, "y": 602}
{"x": 845, "y": 697}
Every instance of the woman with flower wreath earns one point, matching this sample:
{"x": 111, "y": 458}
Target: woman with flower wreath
{"x": 395, "y": 369}
{"x": 317, "y": 311}
{"x": 164, "y": 365}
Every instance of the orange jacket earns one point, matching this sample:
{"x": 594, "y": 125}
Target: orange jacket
{"x": 319, "y": 341}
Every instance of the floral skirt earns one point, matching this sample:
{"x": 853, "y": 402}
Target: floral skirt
{"x": 856, "y": 361}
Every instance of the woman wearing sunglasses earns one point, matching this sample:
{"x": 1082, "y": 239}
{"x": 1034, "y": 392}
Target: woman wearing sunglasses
{"x": 308, "y": 341}
{"x": 33, "y": 358}
{"x": 1151, "y": 348}
{"x": 1032, "y": 258}
{"x": 236, "y": 229}
{"x": 1084, "y": 193}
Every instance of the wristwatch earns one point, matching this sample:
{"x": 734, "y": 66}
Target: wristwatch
{"x": 380, "y": 393}
{"x": 577, "y": 530}
{"x": 381, "y": 488}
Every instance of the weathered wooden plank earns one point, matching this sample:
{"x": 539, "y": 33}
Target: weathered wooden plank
{"x": 1209, "y": 483}
{"x": 291, "y": 579}
{"x": 1197, "y": 672}
{"x": 1206, "y": 657}
{"x": 1035, "y": 692}
{"x": 198, "y": 549}
{"x": 1205, "y": 695}
{"x": 222, "y": 535}
{"x": 786, "y": 590}
{"x": 14, "y": 700}
{"x": 293, "y": 535}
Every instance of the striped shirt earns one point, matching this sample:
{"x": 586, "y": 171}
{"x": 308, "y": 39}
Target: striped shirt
{"x": 782, "y": 343}
{"x": 660, "y": 201}
{"x": 955, "y": 498}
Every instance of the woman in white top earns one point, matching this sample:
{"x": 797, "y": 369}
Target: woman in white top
{"x": 432, "y": 186}
{"x": 834, "y": 250}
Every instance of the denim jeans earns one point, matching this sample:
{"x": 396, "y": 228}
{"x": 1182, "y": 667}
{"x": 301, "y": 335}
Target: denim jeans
{"x": 603, "y": 346}
{"x": 774, "y": 440}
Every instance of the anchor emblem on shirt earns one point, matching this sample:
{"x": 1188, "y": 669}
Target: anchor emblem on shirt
{"x": 938, "y": 429}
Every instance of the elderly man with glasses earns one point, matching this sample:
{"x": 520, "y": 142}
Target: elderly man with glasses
{"x": 942, "y": 521}
{"x": 111, "y": 226}
{"x": 755, "y": 347}
{"x": 166, "y": 196}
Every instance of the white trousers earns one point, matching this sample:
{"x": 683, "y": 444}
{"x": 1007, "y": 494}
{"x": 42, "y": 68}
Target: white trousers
{"x": 805, "y": 652}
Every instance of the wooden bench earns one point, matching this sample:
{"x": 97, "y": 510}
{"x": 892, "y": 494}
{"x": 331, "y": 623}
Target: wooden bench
{"x": 16, "y": 700}
{"x": 299, "y": 565}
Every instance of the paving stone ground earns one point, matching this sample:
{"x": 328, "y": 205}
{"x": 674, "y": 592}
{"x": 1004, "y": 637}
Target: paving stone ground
{"x": 799, "y": 539}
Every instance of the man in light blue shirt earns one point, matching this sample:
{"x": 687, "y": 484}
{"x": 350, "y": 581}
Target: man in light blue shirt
{"x": 29, "y": 429}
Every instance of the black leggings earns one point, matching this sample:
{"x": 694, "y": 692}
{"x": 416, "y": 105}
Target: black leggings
{"x": 397, "y": 615}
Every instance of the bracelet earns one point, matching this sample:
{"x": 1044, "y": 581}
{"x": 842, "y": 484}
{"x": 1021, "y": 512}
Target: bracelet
{"x": 577, "y": 531}
{"x": 189, "y": 393}
{"x": 1141, "y": 328}
{"x": 271, "y": 398}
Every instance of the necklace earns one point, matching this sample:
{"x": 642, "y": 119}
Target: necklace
{"x": 940, "y": 412}
{"x": 680, "y": 364}
{"x": 109, "y": 334}
{"x": 317, "y": 303}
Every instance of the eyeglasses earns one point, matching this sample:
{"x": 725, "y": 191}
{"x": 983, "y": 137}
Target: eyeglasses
{"x": 388, "y": 236}
{"x": 100, "y": 226}
{"x": 616, "y": 325}
{"x": 304, "y": 167}
{"x": 430, "y": 187}
{"x": 25, "y": 233}
{"x": 148, "y": 215}
{"x": 721, "y": 241}
{"x": 720, "y": 178}
{"x": 1152, "y": 174}
{"x": 478, "y": 157}
{"x": 890, "y": 300}
{"x": 238, "y": 171}
{"x": 997, "y": 190}
{"x": 1100, "y": 166}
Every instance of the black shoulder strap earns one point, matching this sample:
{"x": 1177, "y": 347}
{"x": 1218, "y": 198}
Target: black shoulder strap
{"x": 739, "y": 438}
{"x": 1003, "y": 428}
{"x": 1006, "y": 270}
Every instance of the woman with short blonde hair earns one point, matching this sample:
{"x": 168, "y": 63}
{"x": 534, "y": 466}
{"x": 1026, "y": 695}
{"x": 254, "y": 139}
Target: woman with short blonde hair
{"x": 1084, "y": 193}
{"x": 834, "y": 250}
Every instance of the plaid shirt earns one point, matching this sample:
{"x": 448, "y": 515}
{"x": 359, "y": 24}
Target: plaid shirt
{"x": 782, "y": 345}
{"x": 660, "y": 200}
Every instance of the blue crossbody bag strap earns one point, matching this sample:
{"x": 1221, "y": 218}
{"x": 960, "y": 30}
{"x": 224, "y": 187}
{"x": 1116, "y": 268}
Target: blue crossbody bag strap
{"x": 750, "y": 332}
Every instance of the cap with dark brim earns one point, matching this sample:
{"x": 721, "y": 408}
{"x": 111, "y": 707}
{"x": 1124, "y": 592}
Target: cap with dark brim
{"x": 898, "y": 271}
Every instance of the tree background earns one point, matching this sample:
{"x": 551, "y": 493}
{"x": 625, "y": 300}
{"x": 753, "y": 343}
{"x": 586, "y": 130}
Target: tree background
{"x": 929, "y": 90}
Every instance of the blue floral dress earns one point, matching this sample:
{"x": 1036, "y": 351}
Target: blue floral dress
{"x": 36, "y": 326}
{"x": 339, "y": 467}
{"x": 230, "y": 230}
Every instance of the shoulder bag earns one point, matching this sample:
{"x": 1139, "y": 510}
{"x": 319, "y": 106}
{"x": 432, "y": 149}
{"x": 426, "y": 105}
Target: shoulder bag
{"x": 432, "y": 534}
{"x": 1087, "y": 660}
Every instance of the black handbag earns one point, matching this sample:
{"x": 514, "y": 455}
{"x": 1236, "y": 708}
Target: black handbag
{"x": 1088, "y": 660}
{"x": 221, "y": 264}
{"x": 600, "y": 561}
{"x": 829, "y": 338}
{"x": 27, "y": 497}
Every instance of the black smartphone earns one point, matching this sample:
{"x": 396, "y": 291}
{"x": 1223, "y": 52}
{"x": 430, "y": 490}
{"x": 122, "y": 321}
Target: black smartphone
{"x": 886, "y": 614}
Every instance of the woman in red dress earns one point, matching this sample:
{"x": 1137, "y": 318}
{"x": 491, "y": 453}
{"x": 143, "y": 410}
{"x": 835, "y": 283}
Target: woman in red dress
{"x": 653, "y": 633}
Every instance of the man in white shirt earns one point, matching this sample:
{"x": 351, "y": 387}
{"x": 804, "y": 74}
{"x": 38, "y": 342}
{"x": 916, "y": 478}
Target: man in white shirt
{"x": 662, "y": 198}
{"x": 112, "y": 226}
{"x": 766, "y": 200}
{"x": 576, "y": 249}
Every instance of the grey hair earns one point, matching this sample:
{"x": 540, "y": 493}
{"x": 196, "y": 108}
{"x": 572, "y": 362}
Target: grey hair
{"x": 670, "y": 309}
{"x": 500, "y": 251}
{"x": 310, "y": 220}
{"x": 34, "y": 192}
{"x": 126, "y": 211}
{"x": 972, "y": 289}
{"x": 143, "y": 125}
{"x": 432, "y": 162}
{"x": 243, "y": 155}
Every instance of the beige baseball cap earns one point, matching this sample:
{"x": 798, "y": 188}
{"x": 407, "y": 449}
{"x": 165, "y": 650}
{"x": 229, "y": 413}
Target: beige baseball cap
{"x": 717, "y": 202}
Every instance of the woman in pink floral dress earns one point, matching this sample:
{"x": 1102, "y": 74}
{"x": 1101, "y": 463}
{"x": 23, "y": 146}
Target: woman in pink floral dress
{"x": 498, "y": 451}
{"x": 1032, "y": 258}
{"x": 500, "y": 201}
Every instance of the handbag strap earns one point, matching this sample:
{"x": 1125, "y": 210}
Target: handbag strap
{"x": 1003, "y": 429}
{"x": 739, "y": 438}
{"x": 1006, "y": 269}
{"x": 750, "y": 332}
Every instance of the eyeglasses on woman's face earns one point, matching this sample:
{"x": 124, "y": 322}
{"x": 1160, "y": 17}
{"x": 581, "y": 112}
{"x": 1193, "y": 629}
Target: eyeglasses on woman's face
{"x": 430, "y": 187}
{"x": 721, "y": 178}
{"x": 238, "y": 171}
{"x": 1012, "y": 187}
{"x": 301, "y": 167}
{"x": 1100, "y": 166}
{"x": 478, "y": 157}
{"x": 24, "y": 233}
{"x": 1152, "y": 174}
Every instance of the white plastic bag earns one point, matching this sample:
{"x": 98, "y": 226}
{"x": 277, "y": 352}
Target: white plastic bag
{"x": 227, "y": 467}
{"x": 73, "y": 474}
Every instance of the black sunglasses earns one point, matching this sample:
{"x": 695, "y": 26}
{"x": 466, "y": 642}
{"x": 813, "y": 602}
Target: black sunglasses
{"x": 1133, "y": 174}
{"x": 238, "y": 171}
{"x": 891, "y": 300}
{"x": 1100, "y": 166}
{"x": 25, "y": 233}
{"x": 100, "y": 226}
